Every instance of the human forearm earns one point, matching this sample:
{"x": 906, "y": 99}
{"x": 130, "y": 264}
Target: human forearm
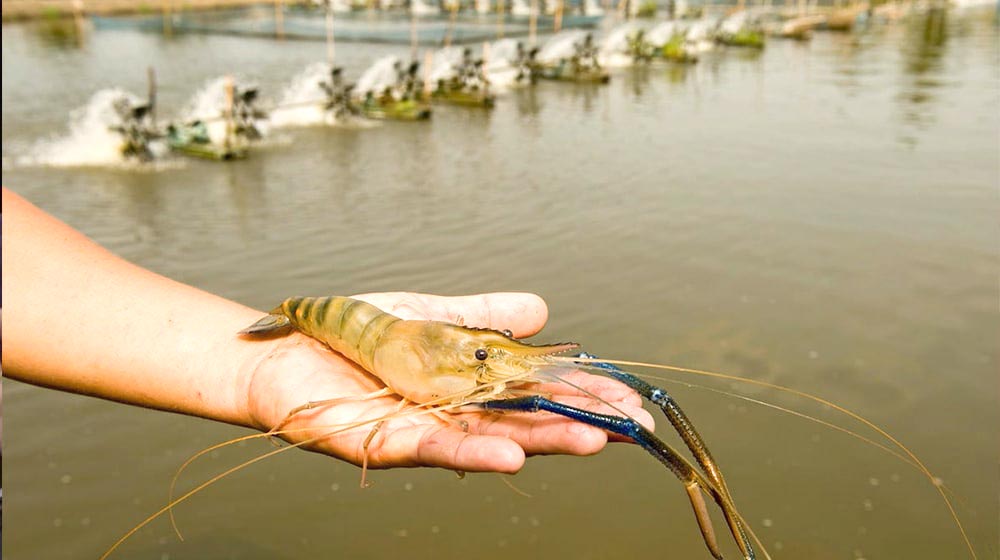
{"x": 78, "y": 318}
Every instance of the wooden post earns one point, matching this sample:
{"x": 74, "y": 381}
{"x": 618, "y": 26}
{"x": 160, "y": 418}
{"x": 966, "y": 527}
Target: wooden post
{"x": 227, "y": 141}
{"x": 78, "y": 21}
{"x": 330, "y": 45}
{"x": 557, "y": 21}
{"x": 279, "y": 20}
{"x": 451, "y": 22}
{"x": 151, "y": 94}
{"x": 428, "y": 60}
{"x": 533, "y": 24}
{"x": 500, "y": 18}
{"x": 413, "y": 34}
{"x": 168, "y": 24}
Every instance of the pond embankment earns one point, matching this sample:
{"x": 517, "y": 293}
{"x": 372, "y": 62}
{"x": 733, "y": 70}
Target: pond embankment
{"x": 33, "y": 9}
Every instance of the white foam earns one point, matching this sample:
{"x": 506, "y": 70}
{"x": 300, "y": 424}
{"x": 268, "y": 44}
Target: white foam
{"x": 90, "y": 140}
{"x": 302, "y": 102}
{"x": 380, "y": 75}
{"x": 209, "y": 103}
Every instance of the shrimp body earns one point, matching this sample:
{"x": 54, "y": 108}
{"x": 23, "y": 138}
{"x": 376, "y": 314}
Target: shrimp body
{"x": 433, "y": 361}
{"x": 421, "y": 361}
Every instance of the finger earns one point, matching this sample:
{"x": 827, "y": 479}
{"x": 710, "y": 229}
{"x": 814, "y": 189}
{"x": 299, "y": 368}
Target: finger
{"x": 449, "y": 448}
{"x": 543, "y": 433}
{"x": 548, "y": 433}
{"x": 522, "y": 313}
{"x": 580, "y": 383}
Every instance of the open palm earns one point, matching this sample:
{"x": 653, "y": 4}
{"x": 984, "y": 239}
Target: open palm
{"x": 300, "y": 369}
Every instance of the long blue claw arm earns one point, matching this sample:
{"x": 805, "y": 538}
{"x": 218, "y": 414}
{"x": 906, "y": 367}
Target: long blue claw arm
{"x": 617, "y": 424}
{"x": 693, "y": 481}
{"x": 685, "y": 428}
{"x": 670, "y": 409}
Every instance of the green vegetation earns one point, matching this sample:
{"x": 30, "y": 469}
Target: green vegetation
{"x": 50, "y": 13}
{"x": 745, "y": 38}
{"x": 675, "y": 50}
{"x": 647, "y": 9}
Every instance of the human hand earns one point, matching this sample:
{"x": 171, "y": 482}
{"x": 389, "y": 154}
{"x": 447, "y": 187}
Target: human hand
{"x": 298, "y": 369}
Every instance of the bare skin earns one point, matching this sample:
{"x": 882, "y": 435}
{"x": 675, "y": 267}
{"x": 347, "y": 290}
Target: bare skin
{"x": 78, "y": 318}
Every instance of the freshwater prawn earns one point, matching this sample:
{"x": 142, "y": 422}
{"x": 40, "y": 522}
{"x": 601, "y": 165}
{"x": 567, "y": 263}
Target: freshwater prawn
{"x": 427, "y": 361}
{"x": 438, "y": 368}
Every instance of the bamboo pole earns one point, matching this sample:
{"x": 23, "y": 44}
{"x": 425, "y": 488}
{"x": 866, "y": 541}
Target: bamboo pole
{"x": 428, "y": 60}
{"x": 451, "y": 22}
{"x": 279, "y": 20}
{"x": 78, "y": 21}
{"x": 227, "y": 141}
{"x": 168, "y": 24}
{"x": 151, "y": 94}
{"x": 533, "y": 24}
{"x": 330, "y": 46}
{"x": 557, "y": 21}
{"x": 500, "y": 18}
{"x": 413, "y": 33}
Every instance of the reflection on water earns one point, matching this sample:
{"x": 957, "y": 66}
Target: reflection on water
{"x": 923, "y": 55}
{"x": 528, "y": 101}
{"x": 820, "y": 215}
{"x": 677, "y": 73}
{"x": 60, "y": 32}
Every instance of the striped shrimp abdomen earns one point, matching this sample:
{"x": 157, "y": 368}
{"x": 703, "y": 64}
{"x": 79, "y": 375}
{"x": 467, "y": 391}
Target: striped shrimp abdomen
{"x": 348, "y": 326}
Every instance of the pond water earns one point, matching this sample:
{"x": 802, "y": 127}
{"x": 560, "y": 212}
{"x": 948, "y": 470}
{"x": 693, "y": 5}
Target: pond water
{"x": 821, "y": 215}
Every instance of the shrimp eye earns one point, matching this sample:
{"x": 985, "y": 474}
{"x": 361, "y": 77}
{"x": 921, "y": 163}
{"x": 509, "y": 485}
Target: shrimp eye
{"x": 508, "y": 333}
{"x": 481, "y": 354}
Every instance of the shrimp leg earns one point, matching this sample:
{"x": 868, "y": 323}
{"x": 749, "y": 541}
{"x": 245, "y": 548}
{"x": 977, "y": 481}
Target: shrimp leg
{"x": 385, "y": 391}
{"x": 682, "y": 469}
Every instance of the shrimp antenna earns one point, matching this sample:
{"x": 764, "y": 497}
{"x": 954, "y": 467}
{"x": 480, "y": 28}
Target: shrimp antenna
{"x": 340, "y": 429}
{"x": 444, "y": 403}
{"x": 596, "y": 362}
{"x": 895, "y": 453}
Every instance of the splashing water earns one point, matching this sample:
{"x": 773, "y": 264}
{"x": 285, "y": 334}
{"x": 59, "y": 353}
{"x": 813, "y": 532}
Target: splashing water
{"x": 700, "y": 35}
{"x": 614, "y": 50}
{"x": 90, "y": 140}
{"x": 302, "y": 103}
{"x": 209, "y": 105}
{"x": 662, "y": 33}
{"x": 445, "y": 65}
{"x": 378, "y": 76}
{"x": 561, "y": 46}
{"x": 501, "y": 64}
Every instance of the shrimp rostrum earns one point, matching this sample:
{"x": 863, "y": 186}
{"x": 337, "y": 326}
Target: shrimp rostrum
{"x": 440, "y": 366}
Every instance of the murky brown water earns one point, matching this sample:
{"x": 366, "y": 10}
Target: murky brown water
{"x": 823, "y": 216}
